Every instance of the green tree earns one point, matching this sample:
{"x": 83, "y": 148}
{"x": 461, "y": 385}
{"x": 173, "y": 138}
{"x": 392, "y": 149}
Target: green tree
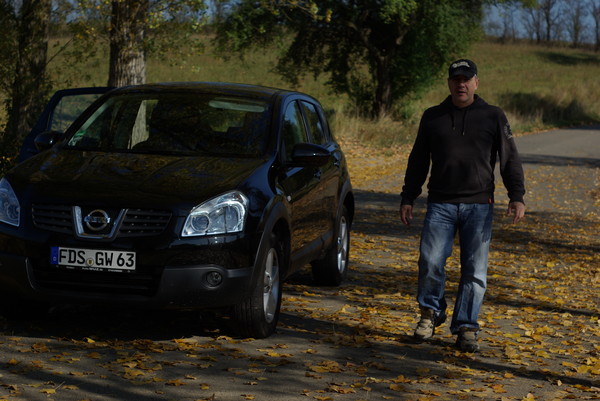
{"x": 132, "y": 28}
{"x": 376, "y": 51}
{"x": 27, "y": 85}
{"x": 8, "y": 44}
{"x": 135, "y": 28}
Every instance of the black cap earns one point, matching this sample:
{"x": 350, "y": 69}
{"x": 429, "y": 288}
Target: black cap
{"x": 462, "y": 67}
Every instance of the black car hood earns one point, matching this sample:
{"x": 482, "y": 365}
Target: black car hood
{"x": 118, "y": 178}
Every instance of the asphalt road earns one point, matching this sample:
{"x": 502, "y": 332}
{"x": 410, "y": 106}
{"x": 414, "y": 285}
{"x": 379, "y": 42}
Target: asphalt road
{"x": 576, "y": 145}
{"x": 318, "y": 352}
{"x": 566, "y": 156}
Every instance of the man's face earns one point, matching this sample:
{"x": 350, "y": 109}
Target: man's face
{"x": 462, "y": 89}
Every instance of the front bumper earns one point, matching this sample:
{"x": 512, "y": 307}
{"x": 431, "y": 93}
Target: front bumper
{"x": 204, "y": 273}
{"x": 172, "y": 287}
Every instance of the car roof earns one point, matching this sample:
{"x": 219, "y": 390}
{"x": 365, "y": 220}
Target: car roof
{"x": 83, "y": 91}
{"x": 219, "y": 88}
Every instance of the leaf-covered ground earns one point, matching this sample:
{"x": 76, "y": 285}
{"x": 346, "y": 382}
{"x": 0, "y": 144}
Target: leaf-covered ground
{"x": 540, "y": 337}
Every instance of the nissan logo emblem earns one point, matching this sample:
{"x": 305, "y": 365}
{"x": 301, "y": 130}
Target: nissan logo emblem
{"x": 97, "y": 220}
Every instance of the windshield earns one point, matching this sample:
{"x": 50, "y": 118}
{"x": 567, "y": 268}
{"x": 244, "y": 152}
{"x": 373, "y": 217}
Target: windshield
{"x": 181, "y": 124}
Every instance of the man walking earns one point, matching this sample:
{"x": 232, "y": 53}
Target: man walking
{"x": 460, "y": 139}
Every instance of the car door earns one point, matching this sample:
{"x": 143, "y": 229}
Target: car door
{"x": 301, "y": 187}
{"x": 60, "y": 111}
{"x": 330, "y": 173}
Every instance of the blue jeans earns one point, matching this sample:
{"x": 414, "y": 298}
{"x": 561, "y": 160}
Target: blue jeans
{"x": 474, "y": 225}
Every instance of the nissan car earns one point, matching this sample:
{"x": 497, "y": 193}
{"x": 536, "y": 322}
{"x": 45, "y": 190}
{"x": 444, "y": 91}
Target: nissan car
{"x": 180, "y": 196}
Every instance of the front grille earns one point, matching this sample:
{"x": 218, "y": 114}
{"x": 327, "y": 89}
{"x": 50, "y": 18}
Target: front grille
{"x": 53, "y": 218}
{"x": 142, "y": 223}
{"x": 136, "y": 223}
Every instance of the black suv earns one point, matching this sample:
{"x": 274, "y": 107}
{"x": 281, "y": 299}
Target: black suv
{"x": 178, "y": 195}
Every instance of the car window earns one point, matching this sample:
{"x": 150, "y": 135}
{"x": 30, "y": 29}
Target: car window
{"x": 176, "y": 123}
{"x": 69, "y": 108}
{"x": 314, "y": 123}
{"x": 293, "y": 129}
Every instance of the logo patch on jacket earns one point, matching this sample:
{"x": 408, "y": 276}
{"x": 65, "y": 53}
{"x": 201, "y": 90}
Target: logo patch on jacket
{"x": 507, "y": 131}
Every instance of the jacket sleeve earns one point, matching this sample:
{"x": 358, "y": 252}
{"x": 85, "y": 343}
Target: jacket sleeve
{"x": 418, "y": 166}
{"x": 511, "y": 168}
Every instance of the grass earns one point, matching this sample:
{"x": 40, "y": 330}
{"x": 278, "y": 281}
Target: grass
{"x": 539, "y": 87}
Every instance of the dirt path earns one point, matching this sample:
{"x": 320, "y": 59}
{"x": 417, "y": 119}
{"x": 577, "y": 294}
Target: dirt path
{"x": 541, "y": 316}
{"x": 541, "y": 327}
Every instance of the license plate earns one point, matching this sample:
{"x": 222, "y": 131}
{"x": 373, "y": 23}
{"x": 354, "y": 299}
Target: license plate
{"x": 92, "y": 259}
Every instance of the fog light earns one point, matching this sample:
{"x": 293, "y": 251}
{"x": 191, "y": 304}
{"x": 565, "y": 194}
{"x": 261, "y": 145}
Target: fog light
{"x": 214, "y": 279}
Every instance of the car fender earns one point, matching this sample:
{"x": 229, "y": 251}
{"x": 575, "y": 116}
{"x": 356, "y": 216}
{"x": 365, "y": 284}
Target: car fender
{"x": 346, "y": 198}
{"x": 275, "y": 218}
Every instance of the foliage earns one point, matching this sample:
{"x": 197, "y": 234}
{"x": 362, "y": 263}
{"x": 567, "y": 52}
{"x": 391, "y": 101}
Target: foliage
{"x": 8, "y": 33}
{"x": 90, "y": 19}
{"x": 375, "y": 51}
{"x": 29, "y": 86}
{"x": 166, "y": 27}
{"x": 8, "y": 44}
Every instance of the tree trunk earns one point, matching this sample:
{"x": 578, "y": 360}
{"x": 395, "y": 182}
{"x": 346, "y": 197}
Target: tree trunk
{"x": 127, "y": 64}
{"x": 595, "y": 13}
{"x": 30, "y": 86}
{"x": 383, "y": 93}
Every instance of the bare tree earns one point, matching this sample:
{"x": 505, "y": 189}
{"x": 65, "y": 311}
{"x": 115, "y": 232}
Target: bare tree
{"x": 508, "y": 12}
{"x": 574, "y": 25}
{"x": 533, "y": 22}
{"x": 550, "y": 15}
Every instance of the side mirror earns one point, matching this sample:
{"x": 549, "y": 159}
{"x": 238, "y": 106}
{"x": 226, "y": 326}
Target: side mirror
{"x": 47, "y": 139}
{"x": 310, "y": 155}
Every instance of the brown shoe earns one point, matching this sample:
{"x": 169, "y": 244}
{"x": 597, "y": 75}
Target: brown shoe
{"x": 426, "y": 326}
{"x": 467, "y": 340}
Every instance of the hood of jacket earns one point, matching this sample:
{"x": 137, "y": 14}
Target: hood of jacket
{"x": 459, "y": 114}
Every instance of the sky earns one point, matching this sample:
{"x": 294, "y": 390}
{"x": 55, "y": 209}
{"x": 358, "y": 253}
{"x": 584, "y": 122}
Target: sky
{"x": 493, "y": 21}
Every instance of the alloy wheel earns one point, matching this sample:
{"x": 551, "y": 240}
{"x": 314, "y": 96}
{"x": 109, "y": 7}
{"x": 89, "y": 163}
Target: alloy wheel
{"x": 343, "y": 245}
{"x": 271, "y": 286}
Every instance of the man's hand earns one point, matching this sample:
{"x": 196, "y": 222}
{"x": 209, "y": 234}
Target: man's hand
{"x": 518, "y": 208}
{"x": 406, "y": 214}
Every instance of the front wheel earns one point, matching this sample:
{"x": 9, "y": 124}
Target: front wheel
{"x": 257, "y": 315}
{"x": 333, "y": 268}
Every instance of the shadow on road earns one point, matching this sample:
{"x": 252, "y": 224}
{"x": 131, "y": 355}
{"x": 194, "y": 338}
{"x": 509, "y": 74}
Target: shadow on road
{"x": 560, "y": 160}
{"x": 121, "y": 336}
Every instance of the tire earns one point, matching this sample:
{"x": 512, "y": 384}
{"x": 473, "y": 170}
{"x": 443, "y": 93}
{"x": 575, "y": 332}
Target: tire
{"x": 333, "y": 268}
{"x": 257, "y": 316}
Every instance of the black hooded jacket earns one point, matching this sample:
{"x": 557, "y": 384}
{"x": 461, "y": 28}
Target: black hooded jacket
{"x": 462, "y": 146}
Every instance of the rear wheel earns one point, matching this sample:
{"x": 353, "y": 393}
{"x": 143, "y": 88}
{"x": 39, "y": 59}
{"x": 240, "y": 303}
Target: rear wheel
{"x": 333, "y": 268}
{"x": 257, "y": 315}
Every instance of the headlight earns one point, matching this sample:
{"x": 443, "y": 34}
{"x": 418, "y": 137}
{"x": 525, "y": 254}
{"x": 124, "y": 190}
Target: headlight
{"x": 224, "y": 214}
{"x": 10, "y": 210}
